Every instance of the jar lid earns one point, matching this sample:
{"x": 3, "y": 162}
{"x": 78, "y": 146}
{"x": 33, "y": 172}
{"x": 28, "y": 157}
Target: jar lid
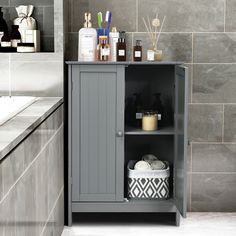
{"x": 150, "y": 113}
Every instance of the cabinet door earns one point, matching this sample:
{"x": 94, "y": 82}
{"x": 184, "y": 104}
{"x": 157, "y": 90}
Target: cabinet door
{"x": 97, "y": 133}
{"x": 181, "y": 111}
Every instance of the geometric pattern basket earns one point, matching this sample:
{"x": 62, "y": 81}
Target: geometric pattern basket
{"x": 149, "y": 184}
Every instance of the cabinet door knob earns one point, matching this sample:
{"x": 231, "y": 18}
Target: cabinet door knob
{"x": 119, "y": 134}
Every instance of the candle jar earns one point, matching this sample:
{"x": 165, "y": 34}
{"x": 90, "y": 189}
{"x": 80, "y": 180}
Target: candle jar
{"x": 150, "y": 121}
{"x": 158, "y": 55}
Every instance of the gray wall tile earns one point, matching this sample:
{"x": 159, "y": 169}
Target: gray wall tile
{"x": 175, "y": 47}
{"x": 214, "y": 83}
{"x": 214, "y": 157}
{"x": 4, "y": 72}
{"x": 230, "y": 16}
{"x": 205, "y": 123}
{"x": 215, "y": 48}
{"x": 124, "y": 15}
{"x": 214, "y": 192}
{"x": 48, "y": 26}
{"x": 25, "y": 76}
{"x": 4, "y": 2}
{"x": 182, "y": 15}
{"x": 229, "y": 123}
{"x": 32, "y": 2}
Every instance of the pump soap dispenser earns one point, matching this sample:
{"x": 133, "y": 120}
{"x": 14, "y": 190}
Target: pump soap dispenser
{"x": 87, "y": 41}
{"x": 3, "y": 25}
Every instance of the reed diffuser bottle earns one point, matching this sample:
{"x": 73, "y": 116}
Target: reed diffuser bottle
{"x": 137, "y": 52}
{"x": 121, "y": 47}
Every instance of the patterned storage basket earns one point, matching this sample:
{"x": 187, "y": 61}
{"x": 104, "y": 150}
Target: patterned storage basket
{"x": 151, "y": 184}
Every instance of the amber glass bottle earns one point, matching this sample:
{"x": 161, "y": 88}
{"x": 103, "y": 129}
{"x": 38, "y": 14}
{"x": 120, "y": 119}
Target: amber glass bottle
{"x": 121, "y": 47}
{"x": 137, "y": 52}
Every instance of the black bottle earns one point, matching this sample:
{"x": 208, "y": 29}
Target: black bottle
{"x": 3, "y": 25}
{"x": 138, "y": 105}
{"x": 15, "y": 36}
{"x": 129, "y": 111}
{"x": 121, "y": 47}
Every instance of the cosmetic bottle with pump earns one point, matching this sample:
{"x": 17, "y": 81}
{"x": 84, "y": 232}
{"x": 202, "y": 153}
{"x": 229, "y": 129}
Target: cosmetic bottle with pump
{"x": 87, "y": 41}
{"x": 3, "y": 25}
{"x": 121, "y": 47}
{"x": 113, "y": 40}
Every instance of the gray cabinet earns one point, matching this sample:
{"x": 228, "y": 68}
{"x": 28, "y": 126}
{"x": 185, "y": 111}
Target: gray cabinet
{"x": 101, "y": 143}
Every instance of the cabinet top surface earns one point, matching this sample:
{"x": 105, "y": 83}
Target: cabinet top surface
{"x": 124, "y": 63}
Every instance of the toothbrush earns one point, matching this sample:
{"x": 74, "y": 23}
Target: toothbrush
{"x": 108, "y": 19}
{"x": 100, "y": 20}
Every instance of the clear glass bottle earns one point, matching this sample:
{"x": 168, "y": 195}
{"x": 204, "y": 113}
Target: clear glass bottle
{"x": 137, "y": 51}
{"x": 104, "y": 51}
{"x": 15, "y": 36}
{"x": 121, "y": 47}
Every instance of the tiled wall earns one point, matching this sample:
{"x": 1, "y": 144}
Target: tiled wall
{"x": 43, "y": 13}
{"x": 32, "y": 183}
{"x": 202, "y": 33}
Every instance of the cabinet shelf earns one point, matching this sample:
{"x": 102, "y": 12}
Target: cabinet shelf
{"x": 168, "y": 130}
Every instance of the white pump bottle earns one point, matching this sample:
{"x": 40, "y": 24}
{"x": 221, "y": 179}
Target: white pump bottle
{"x": 87, "y": 41}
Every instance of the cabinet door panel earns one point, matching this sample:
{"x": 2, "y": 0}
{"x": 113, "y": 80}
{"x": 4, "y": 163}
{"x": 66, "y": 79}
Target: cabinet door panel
{"x": 95, "y": 171}
{"x": 181, "y": 98}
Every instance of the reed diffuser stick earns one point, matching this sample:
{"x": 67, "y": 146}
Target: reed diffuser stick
{"x": 159, "y": 33}
{"x": 149, "y": 33}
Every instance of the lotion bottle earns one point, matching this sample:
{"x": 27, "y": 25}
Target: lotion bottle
{"x": 87, "y": 41}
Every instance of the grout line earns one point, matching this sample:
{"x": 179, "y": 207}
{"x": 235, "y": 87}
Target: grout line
{"x": 213, "y": 103}
{"x": 191, "y": 98}
{"x": 223, "y": 125}
{"x": 190, "y": 192}
{"x": 211, "y": 63}
{"x": 53, "y": 208}
{"x": 215, "y": 143}
{"x": 224, "y": 15}
{"x": 190, "y": 32}
{"x": 24, "y": 172}
{"x": 191, "y": 157}
{"x": 214, "y": 172}
{"x": 137, "y": 12}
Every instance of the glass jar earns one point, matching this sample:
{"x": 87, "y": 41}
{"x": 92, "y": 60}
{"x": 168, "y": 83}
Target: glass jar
{"x": 150, "y": 121}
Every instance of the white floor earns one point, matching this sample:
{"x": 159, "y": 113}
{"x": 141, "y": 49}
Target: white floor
{"x": 196, "y": 224}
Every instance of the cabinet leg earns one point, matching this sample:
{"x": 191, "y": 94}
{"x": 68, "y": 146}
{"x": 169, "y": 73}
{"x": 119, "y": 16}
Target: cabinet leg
{"x": 177, "y": 218}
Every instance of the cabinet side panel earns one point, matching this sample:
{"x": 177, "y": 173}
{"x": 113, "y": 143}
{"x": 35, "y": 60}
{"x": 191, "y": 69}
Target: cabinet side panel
{"x": 181, "y": 138}
{"x": 75, "y": 130}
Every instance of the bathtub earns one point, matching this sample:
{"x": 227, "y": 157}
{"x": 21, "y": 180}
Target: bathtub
{"x": 11, "y": 106}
